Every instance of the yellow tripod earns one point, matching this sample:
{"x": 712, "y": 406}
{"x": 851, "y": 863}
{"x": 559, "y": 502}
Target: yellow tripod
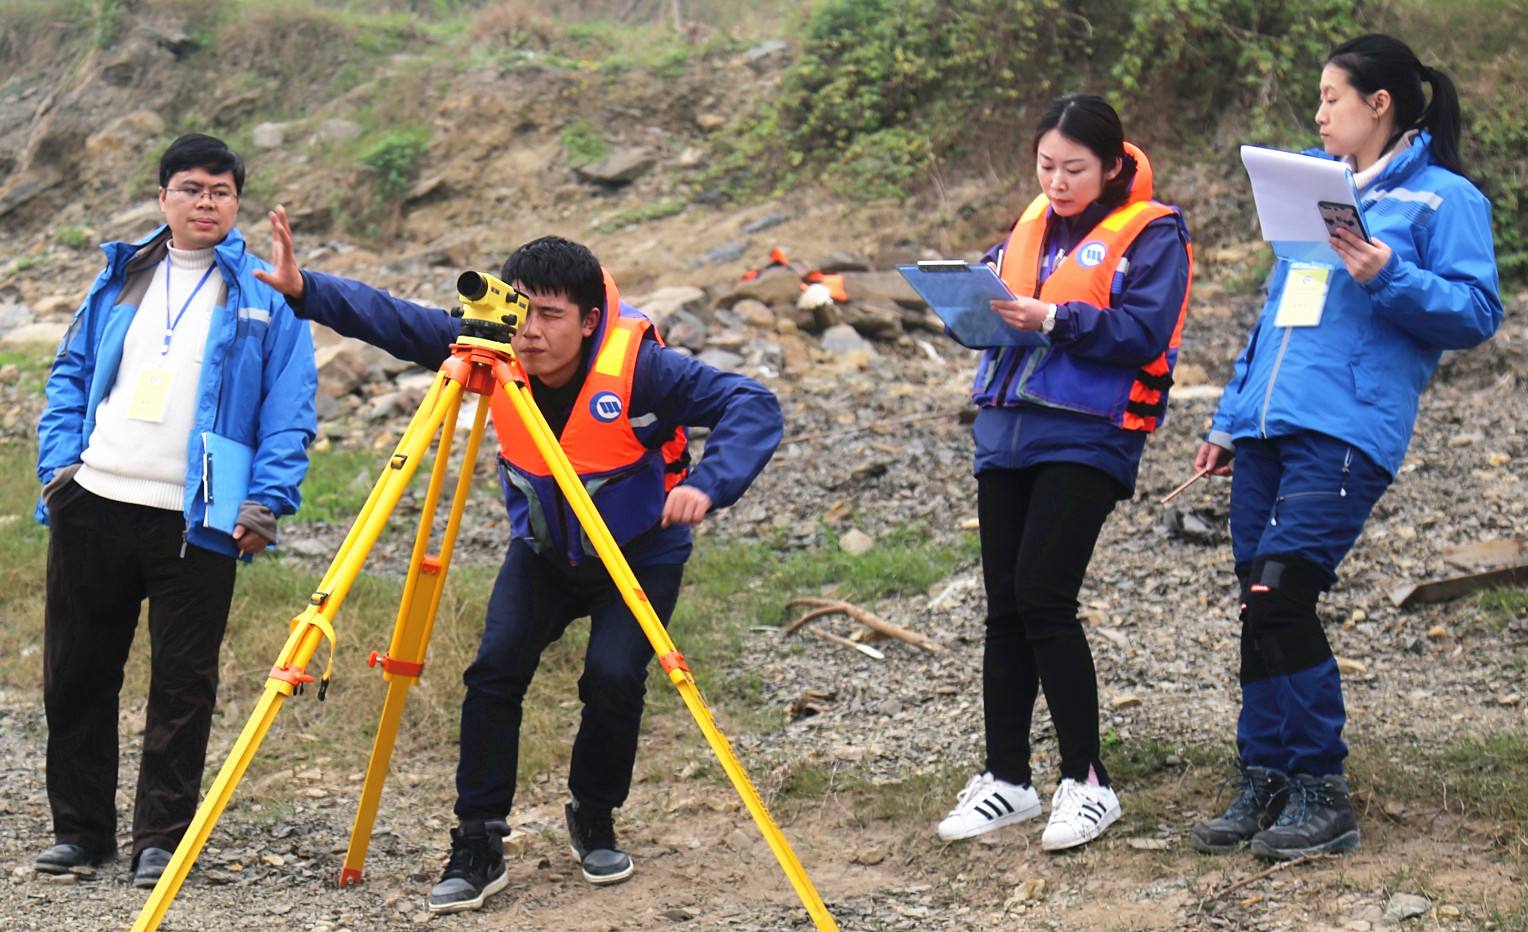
{"x": 481, "y": 362}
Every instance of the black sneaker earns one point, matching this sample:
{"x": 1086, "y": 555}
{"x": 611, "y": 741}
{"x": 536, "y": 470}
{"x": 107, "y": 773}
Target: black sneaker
{"x": 1317, "y": 819}
{"x": 1258, "y": 802}
{"x": 69, "y": 859}
{"x": 476, "y": 868}
{"x": 592, "y": 832}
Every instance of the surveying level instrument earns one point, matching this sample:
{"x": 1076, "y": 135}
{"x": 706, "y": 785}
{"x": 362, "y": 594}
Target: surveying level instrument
{"x": 482, "y": 362}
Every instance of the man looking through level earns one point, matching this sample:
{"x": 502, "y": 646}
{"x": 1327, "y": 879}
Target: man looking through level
{"x": 176, "y": 352}
{"x": 619, "y": 402}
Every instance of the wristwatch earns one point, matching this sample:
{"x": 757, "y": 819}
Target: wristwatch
{"x": 1049, "y": 323}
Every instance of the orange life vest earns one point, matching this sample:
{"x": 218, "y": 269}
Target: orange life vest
{"x": 1092, "y": 273}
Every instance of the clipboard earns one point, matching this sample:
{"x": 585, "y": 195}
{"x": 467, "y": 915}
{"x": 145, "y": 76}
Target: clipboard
{"x": 1300, "y": 198}
{"x": 226, "y": 466}
{"x": 961, "y": 295}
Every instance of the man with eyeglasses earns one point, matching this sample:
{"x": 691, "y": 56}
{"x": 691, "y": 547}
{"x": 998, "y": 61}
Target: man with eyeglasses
{"x": 180, "y": 408}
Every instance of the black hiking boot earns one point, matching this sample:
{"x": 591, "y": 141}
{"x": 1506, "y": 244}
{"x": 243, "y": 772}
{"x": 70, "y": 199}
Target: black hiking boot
{"x": 592, "y": 832}
{"x": 1258, "y": 803}
{"x": 476, "y": 868}
{"x": 1317, "y": 819}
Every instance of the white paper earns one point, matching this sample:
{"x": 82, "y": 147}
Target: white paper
{"x": 1288, "y": 187}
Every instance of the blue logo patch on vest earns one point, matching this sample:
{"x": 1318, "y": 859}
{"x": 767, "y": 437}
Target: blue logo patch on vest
{"x": 1091, "y": 253}
{"x": 605, "y": 406}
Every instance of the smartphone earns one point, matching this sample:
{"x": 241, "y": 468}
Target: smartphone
{"x": 1336, "y": 215}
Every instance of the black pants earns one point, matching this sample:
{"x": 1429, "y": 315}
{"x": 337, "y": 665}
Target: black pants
{"x": 1038, "y": 529}
{"x": 534, "y": 600}
{"x": 104, "y": 558}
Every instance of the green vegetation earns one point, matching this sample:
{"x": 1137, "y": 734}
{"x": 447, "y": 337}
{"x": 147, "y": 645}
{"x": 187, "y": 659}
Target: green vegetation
{"x": 73, "y": 237}
{"x": 337, "y": 484}
{"x": 641, "y": 214}
{"x": 393, "y": 158}
{"x": 583, "y": 143}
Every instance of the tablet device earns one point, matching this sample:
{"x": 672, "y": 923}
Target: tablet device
{"x": 961, "y": 295}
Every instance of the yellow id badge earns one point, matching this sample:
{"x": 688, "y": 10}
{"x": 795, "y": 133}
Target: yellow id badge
{"x": 1304, "y": 295}
{"x": 151, "y": 395}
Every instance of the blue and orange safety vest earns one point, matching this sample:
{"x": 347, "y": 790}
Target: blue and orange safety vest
{"x": 1093, "y": 272}
{"x": 628, "y": 480}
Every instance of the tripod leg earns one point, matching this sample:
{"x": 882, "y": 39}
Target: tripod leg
{"x": 308, "y": 632}
{"x": 669, "y": 658}
{"x": 404, "y": 660}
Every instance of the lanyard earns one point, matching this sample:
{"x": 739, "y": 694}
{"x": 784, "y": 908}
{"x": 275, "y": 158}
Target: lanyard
{"x": 170, "y": 325}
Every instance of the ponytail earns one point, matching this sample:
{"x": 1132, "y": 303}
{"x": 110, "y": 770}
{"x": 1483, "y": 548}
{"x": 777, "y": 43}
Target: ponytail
{"x": 1380, "y": 62}
{"x": 1442, "y": 119}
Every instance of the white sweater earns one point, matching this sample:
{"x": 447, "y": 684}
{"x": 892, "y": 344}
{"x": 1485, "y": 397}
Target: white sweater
{"x": 130, "y": 459}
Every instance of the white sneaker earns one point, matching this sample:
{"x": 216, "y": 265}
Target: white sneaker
{"x": 988, "y": 803}
{"x": 1079, "y": 813}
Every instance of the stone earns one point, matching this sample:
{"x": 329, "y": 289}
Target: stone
{"x": 337, "y": 130}
{"x": 126, "y": 132}
{"x": 658, "y": 305}
{"x": 710, "y": 122}
{"x": 13, "y": 315}
{"x": 887, "y": 289}
{"x": 772, "y": 219}
{"x": 762, "y": 54}
{"x": 721, "y": 359}
{"x": 38, "y": 334}
{"x": 621, "y": 167}
{"x": 855, "y": 542}
{"x": 1403, "y": 906}
{"x": 776, "y": 287}
{"x": 346, "y": 366}
{"x": 268, "y": 135}
{"x": 755, "y": 313}
{"x": 726, "y": 252}
{"x": 842, "y": 339}
{"x": 681, "y": 328}
{"x": 876, "y": 323}
{"x": 1350, "y": 666}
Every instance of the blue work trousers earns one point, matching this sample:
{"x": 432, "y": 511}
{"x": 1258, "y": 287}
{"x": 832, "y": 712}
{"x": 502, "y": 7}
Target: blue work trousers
{"x": 1304, "y": 497}
{"x": 534, "y": 600}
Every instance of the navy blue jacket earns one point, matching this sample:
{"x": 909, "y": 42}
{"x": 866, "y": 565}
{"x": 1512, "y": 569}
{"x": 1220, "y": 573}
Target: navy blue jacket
{"x": 1131, "y": 334}
{"x": 669, "y": 390}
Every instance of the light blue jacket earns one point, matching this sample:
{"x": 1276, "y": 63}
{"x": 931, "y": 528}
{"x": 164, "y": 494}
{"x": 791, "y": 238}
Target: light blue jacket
{"x": 1358, "y": 375}
{"x": 257, "y": 382}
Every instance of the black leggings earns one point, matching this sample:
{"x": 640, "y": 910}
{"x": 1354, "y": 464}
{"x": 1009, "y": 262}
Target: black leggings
{"x": 1038, "y": 529}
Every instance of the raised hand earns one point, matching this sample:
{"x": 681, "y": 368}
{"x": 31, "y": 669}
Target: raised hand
{"x": 285, "y": 276}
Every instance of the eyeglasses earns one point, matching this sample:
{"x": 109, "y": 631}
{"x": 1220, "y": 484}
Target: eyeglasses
{"x": 219, "y": 196}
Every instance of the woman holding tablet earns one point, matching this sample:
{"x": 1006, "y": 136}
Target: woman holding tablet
{"x": 1102, "y": 270}
{"x": 1318, "y": 419}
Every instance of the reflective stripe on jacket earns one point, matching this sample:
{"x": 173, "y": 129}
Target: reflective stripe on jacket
{"x": 257, "y": 381}
{"x": 1359, "y": 375}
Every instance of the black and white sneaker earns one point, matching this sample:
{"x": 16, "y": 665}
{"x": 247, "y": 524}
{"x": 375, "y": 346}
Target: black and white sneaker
{"x": 592, "y": 836}
{"x": 476, "y": 869}
{"x": 1079, "y": 813}
{"x": 988, "y": 803}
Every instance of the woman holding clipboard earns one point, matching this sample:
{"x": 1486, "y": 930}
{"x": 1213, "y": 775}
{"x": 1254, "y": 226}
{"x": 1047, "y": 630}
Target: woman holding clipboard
{"x": 1103, "y": 270}
{"x": 1318, "y": 418}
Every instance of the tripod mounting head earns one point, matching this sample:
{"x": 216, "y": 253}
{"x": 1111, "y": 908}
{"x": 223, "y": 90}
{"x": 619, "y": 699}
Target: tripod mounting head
{"x": 491, "y": 311}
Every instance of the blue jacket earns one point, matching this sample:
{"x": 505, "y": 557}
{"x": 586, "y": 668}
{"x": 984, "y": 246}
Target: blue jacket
{"x": 257, "y": 381}
{"x": 669, "y": 390}
{"x": 1131, "y": 335}
{"x": 1358, "y": 375}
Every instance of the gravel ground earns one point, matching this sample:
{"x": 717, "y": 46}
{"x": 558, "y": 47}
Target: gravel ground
{"x": 1159, "y": 607}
